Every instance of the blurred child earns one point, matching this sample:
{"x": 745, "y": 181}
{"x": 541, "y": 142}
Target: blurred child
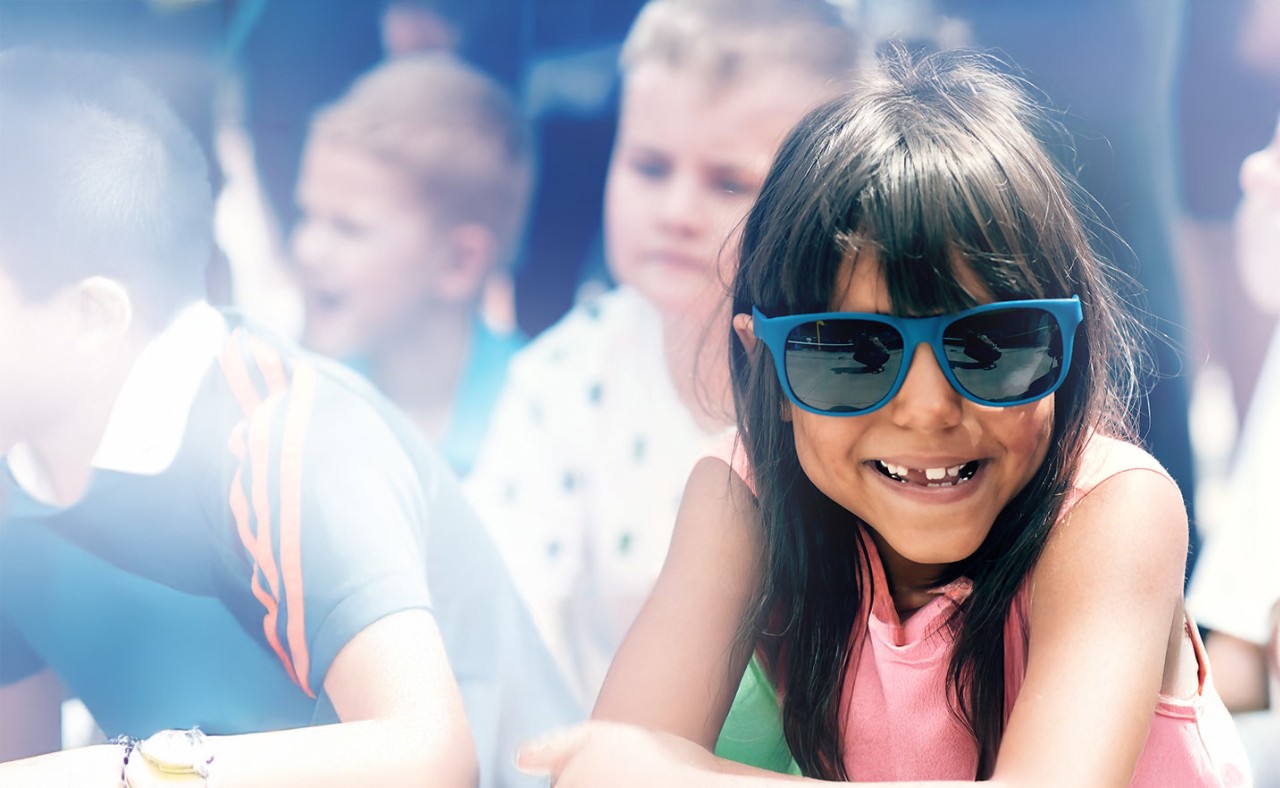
{"x": 205, "y": 532}
{"x": 413, "y": 191}
{"x": 1235, "y": 591}
{"x": 604, "y": 415}
{"x": 957, "y": 569}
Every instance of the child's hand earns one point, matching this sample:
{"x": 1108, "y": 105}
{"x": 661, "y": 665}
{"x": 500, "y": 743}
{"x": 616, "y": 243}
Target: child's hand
{"x": 614, "y": 754}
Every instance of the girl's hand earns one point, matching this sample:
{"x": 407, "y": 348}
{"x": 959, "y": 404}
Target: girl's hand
{"x": 614, "y": 754}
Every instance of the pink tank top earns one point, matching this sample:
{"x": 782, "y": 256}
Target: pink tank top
{"x": 898, "y": 725}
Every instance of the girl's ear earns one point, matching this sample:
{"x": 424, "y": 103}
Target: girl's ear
{"x": 744, "y": 328}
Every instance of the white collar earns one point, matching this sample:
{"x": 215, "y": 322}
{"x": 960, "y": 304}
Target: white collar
{"x": 149, "y": 417}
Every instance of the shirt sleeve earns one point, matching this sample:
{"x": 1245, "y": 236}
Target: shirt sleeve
{"x": 332, "y": 518}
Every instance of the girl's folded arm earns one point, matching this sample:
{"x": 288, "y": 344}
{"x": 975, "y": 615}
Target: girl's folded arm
{"x": 1106, "y": 597}
{"x": 1106, "y": 625}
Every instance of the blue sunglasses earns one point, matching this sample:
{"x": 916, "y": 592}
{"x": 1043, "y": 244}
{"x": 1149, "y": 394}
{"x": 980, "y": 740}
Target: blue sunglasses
{"x": 851, "y": 363}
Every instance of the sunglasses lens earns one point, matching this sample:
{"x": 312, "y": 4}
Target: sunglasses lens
{"x": 842, "y": 366}
{"x": 1005, "y": 355}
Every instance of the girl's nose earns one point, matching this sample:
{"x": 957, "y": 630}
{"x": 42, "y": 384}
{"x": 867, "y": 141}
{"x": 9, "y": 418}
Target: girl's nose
{"x": 926, "y": 401}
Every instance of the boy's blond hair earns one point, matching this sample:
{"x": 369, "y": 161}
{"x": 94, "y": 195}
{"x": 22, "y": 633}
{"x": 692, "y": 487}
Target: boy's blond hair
{"x": 722, "y": 39}
{"x": 456, "y": 133}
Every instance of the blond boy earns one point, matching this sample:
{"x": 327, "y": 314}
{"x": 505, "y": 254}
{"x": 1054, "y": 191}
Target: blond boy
{"x": 413, "y": 192}
{"x": 605, "y": 414}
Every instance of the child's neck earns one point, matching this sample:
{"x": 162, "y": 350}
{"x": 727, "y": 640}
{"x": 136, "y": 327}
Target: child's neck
{"x": 61, "y": 455}
{"x": 421, "y": 369}
{"x": 911, "y": 585}
{"x": 699, "y": 370}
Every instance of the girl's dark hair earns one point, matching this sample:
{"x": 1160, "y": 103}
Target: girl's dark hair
{"x": 930, "y": 160}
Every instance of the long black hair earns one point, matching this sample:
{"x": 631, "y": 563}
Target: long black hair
{"x": 930, "y": 160}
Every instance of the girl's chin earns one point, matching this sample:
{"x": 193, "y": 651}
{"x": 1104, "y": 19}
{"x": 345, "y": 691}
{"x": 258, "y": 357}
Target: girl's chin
{"x": 923, "y": 546}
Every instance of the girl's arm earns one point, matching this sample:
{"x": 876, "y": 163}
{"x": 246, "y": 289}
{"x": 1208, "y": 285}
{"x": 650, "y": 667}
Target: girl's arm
{"x": 680, "y": 663}
{"x": 403, "y": 724}
{"x": 1106, "y": 637}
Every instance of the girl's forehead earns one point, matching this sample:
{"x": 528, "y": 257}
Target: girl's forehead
{"x": 861, "y": 286}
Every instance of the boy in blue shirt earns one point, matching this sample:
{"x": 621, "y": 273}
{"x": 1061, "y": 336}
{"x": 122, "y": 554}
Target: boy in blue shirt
{"x": 412, "y": 195}
{"x": 204, "y": 530}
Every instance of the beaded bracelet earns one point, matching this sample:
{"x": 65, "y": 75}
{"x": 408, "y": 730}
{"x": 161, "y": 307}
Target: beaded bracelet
{"x": 128, "y": 742}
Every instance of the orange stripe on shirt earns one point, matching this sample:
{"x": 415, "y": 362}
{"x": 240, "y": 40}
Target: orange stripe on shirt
{"x": 270, "y": 364}
{"x": 296, "y": 659}
{"x": 260, "y": 497}
{"x": 295, "y": 429}
{"x": 240, "y": 510}
{"x": 269, "y": 629}
{"x": 232, "y": 363}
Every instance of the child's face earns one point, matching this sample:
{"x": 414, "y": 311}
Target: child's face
{"x": 927, "y": 425}
{"x": 366, "y": 251}
{"x": 686, "y": 166}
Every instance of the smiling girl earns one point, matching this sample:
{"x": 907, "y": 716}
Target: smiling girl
{"x": 945, "y": 554}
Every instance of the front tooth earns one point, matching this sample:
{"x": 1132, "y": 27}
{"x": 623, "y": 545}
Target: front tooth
{"x": 901, "y": 470}
{"x": 934, "y": 474}
{"x": 954, "y": 470}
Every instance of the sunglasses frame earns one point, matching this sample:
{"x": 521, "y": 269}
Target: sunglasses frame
{"x": 915, "y": 331}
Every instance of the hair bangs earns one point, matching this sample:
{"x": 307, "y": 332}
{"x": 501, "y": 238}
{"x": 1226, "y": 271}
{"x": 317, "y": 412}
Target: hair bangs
{"x": 950, "y": 221}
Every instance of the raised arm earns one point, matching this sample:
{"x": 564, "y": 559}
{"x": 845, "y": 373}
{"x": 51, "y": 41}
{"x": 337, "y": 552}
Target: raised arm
{"x": 680, "y": 663}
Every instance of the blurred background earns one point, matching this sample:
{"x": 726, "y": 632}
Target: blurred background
{"x": 1164, "y": 99}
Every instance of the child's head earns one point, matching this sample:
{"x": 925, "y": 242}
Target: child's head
{"x": 100, "y": 178}
{"x": 105, "y": 223}
{"x": 924, "y": 192}
{"x": 414, "y": 188}
{"x": 413, "y": 26}
{"x": 710, "y": 87}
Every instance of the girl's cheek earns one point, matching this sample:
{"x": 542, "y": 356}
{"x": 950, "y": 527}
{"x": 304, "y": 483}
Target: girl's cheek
{"x": 1031, "y": 431}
